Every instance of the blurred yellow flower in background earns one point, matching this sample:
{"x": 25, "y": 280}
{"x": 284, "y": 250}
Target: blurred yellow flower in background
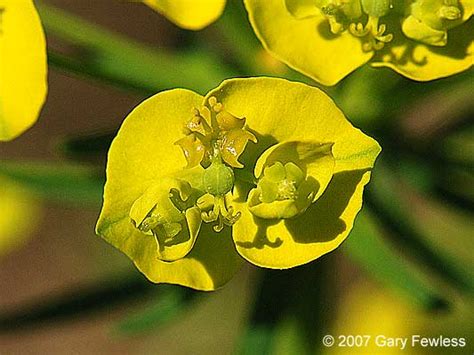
{"x": 367, "y": 310}
{"x": 23, "y": 67}
{"x": 19, "y": 215}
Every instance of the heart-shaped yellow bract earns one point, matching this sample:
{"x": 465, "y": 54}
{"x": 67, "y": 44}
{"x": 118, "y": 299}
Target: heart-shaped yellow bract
{"x": 23, "y": 68}
{"x": 328, "y": 39}
{"x": 307, "y": 163}
{"x": 189, "y": 14}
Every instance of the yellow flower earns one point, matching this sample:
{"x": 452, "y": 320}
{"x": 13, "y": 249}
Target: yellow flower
{"x": 23, "y": 77}
{"x": 19, "y": 216}
{"x": 189, "y": 14}
{"x": 328, "y": 39}
{"x": 261, "y": 167}
{"x": 378, "y": 318}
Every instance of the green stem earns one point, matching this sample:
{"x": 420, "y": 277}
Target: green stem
{"x": 244, "y": 49}
{"x": 384, "y": 195}
{"x": 108, "y": 56}
{"x": 368, "y": 249}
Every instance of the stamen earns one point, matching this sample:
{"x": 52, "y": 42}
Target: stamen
{"x": 221, "y": 213}
{"x": 377, "y": 38}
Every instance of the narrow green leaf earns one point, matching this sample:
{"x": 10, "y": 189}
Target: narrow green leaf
{"x": 88, "y": 146}
{"x": 256, "y": 340}
{"x": 171, "y": 302}
{"x": 74, "y": 184}
{"x": 119, "y": 60}
{"x": 368, "y": 249}
{"x": 394, "y": 209}
{"x": 457, "y": 186}
{"x": 458, "y": 147}
{"x": 76, "y": 303}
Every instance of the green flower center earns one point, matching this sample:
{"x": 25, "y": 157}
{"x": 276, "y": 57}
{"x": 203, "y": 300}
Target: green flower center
{"x": 218, "y": 182}
{"x": 280, "y": 182}
{"x": 214, "y": 131}
{"x": 286, "y": 190}
{"x": 429, "y": 20}
{"x": 283, "y": 191}
{"x": 215, "y": 139}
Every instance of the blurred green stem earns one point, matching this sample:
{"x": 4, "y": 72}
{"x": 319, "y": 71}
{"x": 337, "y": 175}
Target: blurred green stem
{"x": 102, "y": 54}
{"x": 81, "y": 302}
{"x": 366, "y": 247}
{"x": 292, "y": 310}
{"x": 76, "y": 185}
{"x": 172, "y": 301}
{"x": 385, "y": 197}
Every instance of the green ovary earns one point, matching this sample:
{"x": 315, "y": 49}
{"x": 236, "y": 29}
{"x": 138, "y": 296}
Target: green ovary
{"x": 218, "y": 178}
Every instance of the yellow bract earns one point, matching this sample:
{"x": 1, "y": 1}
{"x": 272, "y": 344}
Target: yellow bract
{"x": 23, "y": 72}
{"x": 305, "y": 157}
{"x": 143, "y": 153}
{"x": 328, "y": 39}
{"x": 189, "y": 14}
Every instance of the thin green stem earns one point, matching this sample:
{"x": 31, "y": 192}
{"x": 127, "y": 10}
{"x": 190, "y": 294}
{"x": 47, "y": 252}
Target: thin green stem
{"x": 102, "y": 54}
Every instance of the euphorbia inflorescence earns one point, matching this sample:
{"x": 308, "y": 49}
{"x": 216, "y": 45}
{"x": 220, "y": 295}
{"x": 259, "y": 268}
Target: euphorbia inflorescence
{"x": 209, "y": 196}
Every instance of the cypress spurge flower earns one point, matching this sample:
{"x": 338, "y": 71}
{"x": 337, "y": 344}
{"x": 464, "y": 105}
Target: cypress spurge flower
{"x": 265, "y": 168}
{"x": 328, "y": 39}
{"x": 189, "y": 14}
{"x": 22, "y": 67}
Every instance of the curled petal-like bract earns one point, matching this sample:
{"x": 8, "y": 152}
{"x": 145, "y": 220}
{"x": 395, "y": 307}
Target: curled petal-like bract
{"x": 174, "y": 227}
{"x": 137, "y": 159}
{"x": 292, "y": 175}
{"x": 23, "y": 69}
{"x": 189, "y": 14}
